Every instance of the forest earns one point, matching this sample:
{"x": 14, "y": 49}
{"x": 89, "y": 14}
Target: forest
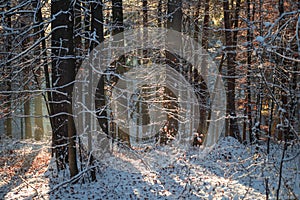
{"x": 149, "y": 99}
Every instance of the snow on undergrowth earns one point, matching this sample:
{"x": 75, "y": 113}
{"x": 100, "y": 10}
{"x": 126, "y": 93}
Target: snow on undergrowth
{"x": 229, "y": 171}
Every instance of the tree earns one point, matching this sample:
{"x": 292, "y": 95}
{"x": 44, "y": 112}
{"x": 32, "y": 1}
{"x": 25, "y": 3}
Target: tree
{"x": 174, "y": 20}
{"x": 231, "y": 40}
{"x": 63, "y": 75}
{"x": 8, "y": 45}
{"x": 97, "y": 31}
{"x": 24, "y": 23}
{"x": 97, "y": 23}
{"x": 248, "y": 109}
{"x": 117, "y": 16}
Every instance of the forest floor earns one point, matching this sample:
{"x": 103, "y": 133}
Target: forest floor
{"x": 229, "y": 171}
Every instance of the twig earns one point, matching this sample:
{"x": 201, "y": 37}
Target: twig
{"x": 36, "y": 191}
{"x": 73, "y": 179}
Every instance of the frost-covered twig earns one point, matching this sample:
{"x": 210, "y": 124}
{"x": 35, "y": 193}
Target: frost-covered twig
{"x": 71, "y": 180}
{"x": 36, "y": 191}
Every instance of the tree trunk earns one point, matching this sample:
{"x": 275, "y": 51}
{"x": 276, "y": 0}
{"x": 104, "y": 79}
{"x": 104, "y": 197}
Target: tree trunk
{"x": 175, "y": 15}
{"x": 28, "y": 132}
{"x": 145, "y": 14}
{"x": 8, "y": 121}
{"x": 117, "y": 15}
{"x": 117, "y": 12}
{"x": 159, "y": 14}
{"x": 203, "y": 88}
{"x": 78, "y": 43}
{"x": 97, "y": 23}
{"x": 205, "y": 25}
{"x": 231, "y": 122}
{"x": 72, "y": 156}
{"x": 40, "y": 33}
{"x": 63, "y": 74}
{"x": 38, "y": 111}
{"x": 97, "y": 31}
{"x": 249, "y": 62}
{"x": 87, "y": 25}
{"x": 38, "y": 100}
{"x": 26, "y": 74}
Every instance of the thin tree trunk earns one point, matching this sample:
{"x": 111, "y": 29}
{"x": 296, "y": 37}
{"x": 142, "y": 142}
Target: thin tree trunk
{"x": 87, "y": 26}
{"x": 72, "y": 155}
{"x": 145, "y": 14}
{"x": 249, "y": 62}
{"x": 197, "y": 24}
{"x": 38, "y": 101}
{"x": 78, "y": 44}
{"x": 97, "y": 30}
{"x": 28, "y": 129}
{"x": 280, "y": 170}
{"x": 97, "y": 23}
{"x": 8, "y": 121}
{"x": 205, "y": 25}
{"x": 26, "y": 80}
{"x": 203, "y": 88}
{"x": 39, "y": 127}
{"x": 40, "y": 33}
{"x": 159, "y": 14}
{"x": 280, "y": 7}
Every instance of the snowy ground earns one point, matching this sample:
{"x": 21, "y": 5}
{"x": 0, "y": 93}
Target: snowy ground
{"x": 230, "y": 171}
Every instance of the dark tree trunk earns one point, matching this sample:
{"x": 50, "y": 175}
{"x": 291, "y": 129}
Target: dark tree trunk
{"x": 159, "y": 14}
{"x": 63, "y": 74}
{"x": 174, "y": 15}
{"x": 280, "y": 7}
{"x": 203, "y": 88}
{"x": 145, "y": 15}
{"x": 117, "y": 14}
{"x": 205, "y": 25}
{"x": 97, "y": 30}
{"x": 97, "y": 23}
{"x": 249, "y": 61}
{"x": 231, "y": 122}
{"x": 8, "y": 121}
{"x": 197, "y": 23}
{"x": 78, "y": 44}
{"x": 87, "y": 25}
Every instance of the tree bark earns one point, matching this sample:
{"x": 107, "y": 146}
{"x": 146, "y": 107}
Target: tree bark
{"x": 97, "y": 23}
{"x": 8, "y": 121}
{"x": 145, "y": 14}
{"x": 63, "y": 74}
{"x": 28, "y": 130}
{"x": 159, "y": 14}
{"x": 38, "y": 101}
{"x": 231, "y": 123}
{"x": 249, "y": 62}
{"x": 117, "y": 14}
{"x": 205, "y": 25}
{"x": 97, "y": 31}
{"x": 203, "y": 88}
{"x": 175, "y": 15}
